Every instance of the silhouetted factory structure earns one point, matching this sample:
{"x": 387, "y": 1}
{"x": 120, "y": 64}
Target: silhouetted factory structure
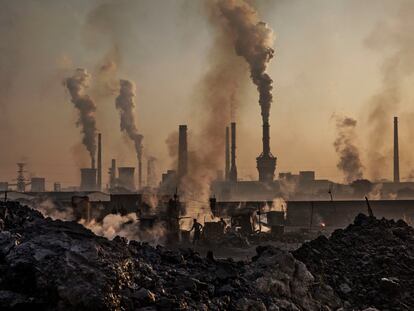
{"x": 298, "y": 190}
{"x": 302, "y": 186}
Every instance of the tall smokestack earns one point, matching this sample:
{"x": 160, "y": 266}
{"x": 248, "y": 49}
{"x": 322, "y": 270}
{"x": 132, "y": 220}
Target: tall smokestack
{"x": 266, "y": 162}
{"x": 182, "y": 151}
{"x": 233, "y": 168}
{"x": 112, "y": 174}
{"x": 99, "y": 176}
{"x": 396, "y": 153}
{"x": 139, "y": 172}
{"x": 227, "y": 166}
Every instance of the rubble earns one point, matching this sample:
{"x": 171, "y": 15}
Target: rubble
{"x": 49, "y": 264}
{"x": 369, "y": 264}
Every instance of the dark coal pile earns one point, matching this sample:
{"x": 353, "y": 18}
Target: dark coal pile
{"x": 369, "y": 264}
{"x": 55, "y": 265}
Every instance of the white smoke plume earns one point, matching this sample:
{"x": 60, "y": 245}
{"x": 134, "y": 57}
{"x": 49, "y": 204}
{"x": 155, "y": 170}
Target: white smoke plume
{"x": 127, "y": 227}
{"x": 49, "y": 209}
{"x": 349, "y": 158}
{"x": 77, "y": 85}
{"x": 126, "y": 106}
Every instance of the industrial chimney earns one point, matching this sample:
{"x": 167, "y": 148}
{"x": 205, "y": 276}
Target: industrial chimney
{"x": 139, "y": 172}
{"x": 396, "y": 153}
{"x": 266, "y": 162}
{"x": 112, "y": 175}
{"x": 233, "y": 168}
{"x": 182, "y": 152}
{"x": 99, "y": 176}
{"x": 227, "y": 164}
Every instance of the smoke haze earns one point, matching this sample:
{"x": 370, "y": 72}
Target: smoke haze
{"x": 399, "y": 65}
{"x": 218, "y": 93}
{"x": 349, "y": 158}
{"x": 324, "y": 63}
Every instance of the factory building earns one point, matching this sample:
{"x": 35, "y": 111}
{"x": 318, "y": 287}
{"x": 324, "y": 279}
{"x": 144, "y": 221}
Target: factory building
{"x": 126, "y": 178}
{"x": 4, "y": 186}
{"x": 88, "y": 179}
{"x": 38, "y": 184}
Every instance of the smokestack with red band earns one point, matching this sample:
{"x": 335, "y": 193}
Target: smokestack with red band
{"x": 227, "y": 164}
{"x": 182, "y": 152}
{"x": 99, "y": 176}
{"x": 233, "y": 167}
{"x": 396, "y": 153}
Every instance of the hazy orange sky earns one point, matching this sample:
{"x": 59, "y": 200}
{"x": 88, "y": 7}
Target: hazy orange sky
{"x": 324, "y": 64}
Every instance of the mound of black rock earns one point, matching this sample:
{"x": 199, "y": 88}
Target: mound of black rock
{"x": 369, "y": 264}
{"x": 56, "y": 265}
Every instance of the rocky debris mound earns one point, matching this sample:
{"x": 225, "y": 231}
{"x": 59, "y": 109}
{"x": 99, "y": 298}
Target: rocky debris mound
{"x": 369, "y": 264}
{"x": 56, "y": 265}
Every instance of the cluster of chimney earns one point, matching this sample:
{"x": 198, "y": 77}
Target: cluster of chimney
{"x": 266, "y": 162}
{"x": 91, "y": 178}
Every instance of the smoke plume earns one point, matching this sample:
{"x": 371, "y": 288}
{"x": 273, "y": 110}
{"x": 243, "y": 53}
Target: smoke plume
{"x": 395, "y": 68}
{"x": 349, "y": 159}
{"x": 253, "y": 40}
{"x": 237, "y": 28}
{"x": 126, "y": 106}
{"x": 127, "y": 227}
{"x": 76, "y": 85}
{"x": 218, "y": 95}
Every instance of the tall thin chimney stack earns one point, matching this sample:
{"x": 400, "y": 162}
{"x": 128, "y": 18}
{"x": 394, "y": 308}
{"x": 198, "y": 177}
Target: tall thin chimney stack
{"x": 99, "y": 175}
{"x": 112, "y": 175}
{"x": 396, "y": 153}
{"x": 227, "y": 164}
{"x": 233, "y": 167}
{"x": 139, "y": 173}
{"x": 266, "y": 162}
{"x": 182, "y": 152}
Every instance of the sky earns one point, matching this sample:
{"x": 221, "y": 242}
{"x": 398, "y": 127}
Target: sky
{"x": 325, "y": 64}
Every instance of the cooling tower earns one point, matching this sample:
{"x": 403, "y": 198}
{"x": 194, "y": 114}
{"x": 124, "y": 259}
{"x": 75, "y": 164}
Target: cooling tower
{"x": 37, "y": 184}
{"x": 88, "y": 179}
{"x": 126, "y": 178}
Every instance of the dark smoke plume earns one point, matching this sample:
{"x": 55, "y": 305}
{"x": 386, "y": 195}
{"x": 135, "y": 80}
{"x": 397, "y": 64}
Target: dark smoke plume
{"x": 395, "y": 69}
{"x": 126, "y": 105}
{"x": 76, "y": 85}
{"x": 349, "y": 160}
{"x": 253, "y": 40}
